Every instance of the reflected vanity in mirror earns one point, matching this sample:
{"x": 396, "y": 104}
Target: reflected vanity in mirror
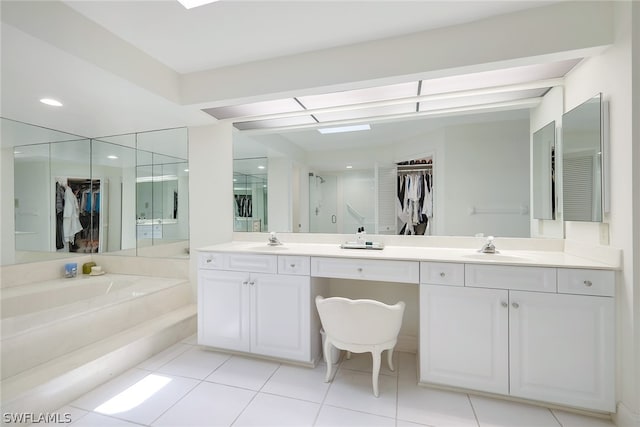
{"x": 250, "y": 194}
{"x": 583, "y": 146}
{"x": 543, "y": 172}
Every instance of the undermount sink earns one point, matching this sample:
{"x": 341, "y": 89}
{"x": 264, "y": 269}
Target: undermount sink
{"x": 494, "y": 257}
{"x": 268, "y": 248}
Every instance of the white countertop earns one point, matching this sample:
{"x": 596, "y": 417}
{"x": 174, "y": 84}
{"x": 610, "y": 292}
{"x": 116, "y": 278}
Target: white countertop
{"x": 415, "y": 253}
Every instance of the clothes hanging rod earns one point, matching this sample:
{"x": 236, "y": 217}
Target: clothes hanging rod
{"x": 415, "y": 169}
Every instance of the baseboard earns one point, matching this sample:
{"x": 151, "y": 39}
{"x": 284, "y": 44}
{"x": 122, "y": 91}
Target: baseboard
{"x": 624, "y": 417}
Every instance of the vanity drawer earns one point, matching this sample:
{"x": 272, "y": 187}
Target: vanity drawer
{"x": 586, "y": 282}
{"x": 540, "y": 279}
{"x": 252, "y": 262}
{"x": 442, "y": 273}
{"x": 296, "y": 265}
{"x": 366, "y": 269}
{"x": 211, "y": 260}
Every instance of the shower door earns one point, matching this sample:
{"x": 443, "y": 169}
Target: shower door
{"x": 323, "y": 203}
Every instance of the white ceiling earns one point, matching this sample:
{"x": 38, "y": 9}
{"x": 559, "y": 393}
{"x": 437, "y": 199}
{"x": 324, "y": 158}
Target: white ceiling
{"x": 238, "y": 31}
{"x": 41, "y": 58}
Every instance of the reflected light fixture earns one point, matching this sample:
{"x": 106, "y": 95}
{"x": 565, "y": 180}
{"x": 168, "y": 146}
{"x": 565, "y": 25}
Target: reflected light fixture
{"x": 51, "y": 101}
{"x": 341, "y": 129}
{"x": 190, "y": 4}
{"x": 260, "y": 167}
{"x": 112, "y": 157}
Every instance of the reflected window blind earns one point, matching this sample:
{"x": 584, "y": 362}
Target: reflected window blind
{"x": 577, "y": 192}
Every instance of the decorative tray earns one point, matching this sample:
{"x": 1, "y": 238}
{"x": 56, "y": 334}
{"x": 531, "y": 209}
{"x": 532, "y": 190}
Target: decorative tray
{"x": 366, "y": 245}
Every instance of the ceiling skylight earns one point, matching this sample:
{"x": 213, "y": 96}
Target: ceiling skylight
{"x": 190, "y": 4}
{"x": 342, "y": 129}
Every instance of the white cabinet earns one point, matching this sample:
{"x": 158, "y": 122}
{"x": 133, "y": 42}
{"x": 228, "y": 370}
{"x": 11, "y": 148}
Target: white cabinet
{"x": 561, "y": 349}
{"x": 528, "y": 335}
{"x": 223, "y": 309}
{"x": 261, "y": 313}
{"x": 464, "y": 337}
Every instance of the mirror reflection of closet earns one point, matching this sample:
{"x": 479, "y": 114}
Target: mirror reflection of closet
{"x": 544, "y": 179}
{"x": 582, "y": 162}
{"x": 414, "y": 206}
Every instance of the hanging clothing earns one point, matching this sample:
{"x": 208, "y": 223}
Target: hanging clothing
{"x": 70, "y": 218}
{"x": 414, "y": 204}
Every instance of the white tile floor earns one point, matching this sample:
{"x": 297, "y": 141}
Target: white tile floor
{"x": 190, "y": 386}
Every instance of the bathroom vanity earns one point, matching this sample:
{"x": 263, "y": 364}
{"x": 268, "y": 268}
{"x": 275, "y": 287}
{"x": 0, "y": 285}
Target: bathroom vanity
{"x": 537, "y": 325}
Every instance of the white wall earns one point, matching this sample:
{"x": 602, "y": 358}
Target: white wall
{"x": 610, "y": 73}
{"x": 210, "y": 188}
{"x": 279, "y": 190}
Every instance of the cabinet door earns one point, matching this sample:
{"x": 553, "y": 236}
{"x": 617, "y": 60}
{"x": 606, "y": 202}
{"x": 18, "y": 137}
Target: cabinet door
{"x": 280, "y": 306}
{"x": 562, "y": 349}
{"x": 463, "y": 337}
{"x": 223, "y": 309}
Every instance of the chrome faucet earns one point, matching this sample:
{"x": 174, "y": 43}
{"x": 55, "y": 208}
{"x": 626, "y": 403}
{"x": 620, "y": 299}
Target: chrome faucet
{"x": 489, "y": 247}
{"x": 273, "y": 239}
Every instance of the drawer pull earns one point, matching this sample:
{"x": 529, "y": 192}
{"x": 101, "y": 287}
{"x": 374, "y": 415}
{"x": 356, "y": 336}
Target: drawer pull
{"x": 292, "y": 265}
{"x": 208, "y": 259}
{"x": 588, "y": 283}
{"x": 442, "y": 274}
{"x": 504, "y": 304}
{"x": 515, "y": 305}
{"x": 359, "y": 269}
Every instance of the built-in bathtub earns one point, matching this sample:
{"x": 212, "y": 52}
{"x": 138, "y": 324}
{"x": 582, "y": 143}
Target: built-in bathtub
{"x": 45, "y": 320}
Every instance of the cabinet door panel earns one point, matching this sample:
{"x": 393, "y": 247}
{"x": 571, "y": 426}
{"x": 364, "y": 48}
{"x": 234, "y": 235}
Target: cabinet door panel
{"x": 562, "y": 349}
{"x": 223, "y": 309}
{"x": 463, "y": 337}
{"x": 280, "y": 306}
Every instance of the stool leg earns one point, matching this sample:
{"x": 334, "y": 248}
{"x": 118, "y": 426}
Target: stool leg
{"x": 376, "y": 370}
{"x": 327, "y": 358}
{"x": 390, "y": 358}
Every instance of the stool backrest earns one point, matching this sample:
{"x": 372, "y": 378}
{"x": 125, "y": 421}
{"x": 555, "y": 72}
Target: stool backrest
{"x": 361, "y": 321}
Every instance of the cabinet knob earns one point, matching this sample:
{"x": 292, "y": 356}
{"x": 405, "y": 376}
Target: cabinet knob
{"x": 292, "y": 265}
{"x": 245, "y": 282}
{"x": 515, "y": 305}
{"x": 359, "y": 269}
{"x": 442, "y": 274}
{"x": 588, "y": 283}
{"x": 504, "y": 304}
{"x": 208, "y": 259}
{"x": 252, "y": 283}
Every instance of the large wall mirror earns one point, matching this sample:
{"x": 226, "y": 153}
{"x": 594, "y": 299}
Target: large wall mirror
{"x": 543, "y": 172}
{"x": 582, "y": 162}
{"x": 477, "y": 167}
{"x": 111, "y": 179}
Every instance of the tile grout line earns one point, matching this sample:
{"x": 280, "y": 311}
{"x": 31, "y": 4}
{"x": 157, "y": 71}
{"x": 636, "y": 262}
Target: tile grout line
{"x": 326, "y": 393}
{"x": 473, "y": 409}
{"x": 257, "y": 392}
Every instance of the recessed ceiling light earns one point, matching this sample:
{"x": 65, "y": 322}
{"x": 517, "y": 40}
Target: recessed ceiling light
{"x": 349, "y": 167}
{"x": 260, "y": 167}
{"x": 341, "y": 129}
{"x": 52, "y": 102}
{"x": 190, "y": 4}
{"x": 112, "y": 157}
